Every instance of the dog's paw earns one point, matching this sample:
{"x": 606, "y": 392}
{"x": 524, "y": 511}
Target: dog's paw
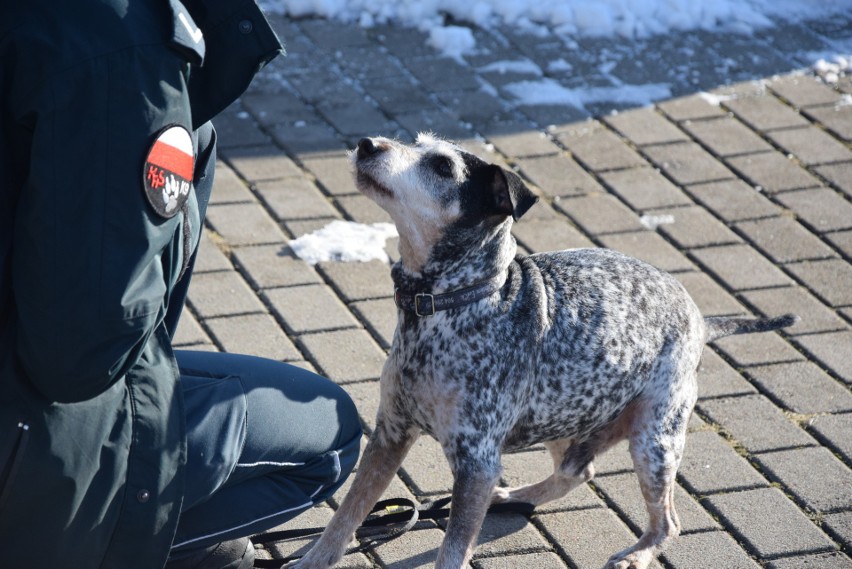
{"x": 629, "y": 561}
{"x": 500, "y": 495}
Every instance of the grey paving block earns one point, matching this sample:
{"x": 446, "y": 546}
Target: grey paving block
{"x": 616, "y": 460}
{"x": 813, "y": 475}
{"x": 599, "y": 214}
{"x": 537, "y": 560}
{"x": 833, "y": 560}
{"x": 332, "y": 170}
{"x": 842, "y": 240}
{"x": 645, "y": 126}
{"x": 783, "y": 239}
{"x": 687, "y": 163}
{"x": 726, "y": 137}
{"x": 412, "y": 550}
{"x": 442, "y": 73}
{"x": 244, "y": 224}
{"x": 307, "y": 136}
{"x": 691, "y": 551}
{"x": 518, "y": 140}
{"x": 270, "y": 266}
{"x": 599, "y": 149}
{"x": 811, "y": 145}
{"x": 835, "y": 430}
{"x": 427, "y": 468}
{"x": 649, "y": 247}
{"x": 358, "y": 281}
{"x": 356, "y": 117}
{"x": 756, "y": 423}
{"x": 829, "y": 279}
{"x": 839, "y": 526}
{"x": 804, "y": 90}
{"x": 228, "y": 187}
{"x": 222, "y": 294}
{"x": 256, "y": 163}
{"x": 802, "y": 387}
{"x": 711, "y": 298}
{"x": 333, "y": 34}
{"x": 379, "y": 317}
{"x": 754, "y": 349}
{"x": 281, "y": 107}
{"x": 733, "y": 200}
{"x": 477, "y": 106}
{"x": 691, "y": 107}
{"x": 558, "y": 175}
{"x": 235, "y": 129}
{"x": 549, "y": 235}
{"x": 295, "y": 198}
{"x": 832, "y": 349}
{"x": 362, "y": 209}
{"x": 839, "y": 175}
{"x": 507, "y": 534}
{"x": 765, "y": 112}
{"x": 309, "y": 308}
{"x": 694, "y": 227}
{"x": 448, "y": 123}
{"x": 711, "y": 465}
{"x": 210, "y": 256}
{"x": 772, "y": 172}
{"x": 821, "y": 208}
{"x": 344, "y": 355}
{"x": 716, "y": 378}
{"x": 365, "y": 395}
{"x": 189, "y": 331}
{"x": 769, "y": 523}
{"x": 837, "y": 119}
{"x": 254, "y": 335}
{"x": 644, "y": 188}
{"x": 623, "y": 491}
{"x": 740, "y": 267}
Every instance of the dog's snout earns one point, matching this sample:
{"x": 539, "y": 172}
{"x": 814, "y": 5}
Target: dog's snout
{"x": 366, "y": 147}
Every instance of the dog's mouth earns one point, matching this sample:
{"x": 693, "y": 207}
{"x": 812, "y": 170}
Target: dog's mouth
{"x": 365, "y": 181}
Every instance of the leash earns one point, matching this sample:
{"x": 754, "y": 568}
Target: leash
{"x": 388, "y": 520}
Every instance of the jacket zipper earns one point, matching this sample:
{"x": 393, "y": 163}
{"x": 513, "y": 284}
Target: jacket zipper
{"x": 7, "y": 474}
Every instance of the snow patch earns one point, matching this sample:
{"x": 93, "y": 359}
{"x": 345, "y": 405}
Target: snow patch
{"x": 344, "y": 241}
{"x": 452, "y": 41}
{"x": 550, "y": 92}
{"x": 652, "y": 222}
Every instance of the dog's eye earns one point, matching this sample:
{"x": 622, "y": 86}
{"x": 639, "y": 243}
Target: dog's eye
{"x": 443, "y": 166}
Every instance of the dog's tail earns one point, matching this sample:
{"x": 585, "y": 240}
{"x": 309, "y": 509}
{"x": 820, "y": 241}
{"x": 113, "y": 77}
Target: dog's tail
{"x": 721, "y": 326}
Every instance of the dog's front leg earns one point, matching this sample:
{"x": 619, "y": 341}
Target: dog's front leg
{"x": 382, "y": 458}
{"x": 472, "y": 489}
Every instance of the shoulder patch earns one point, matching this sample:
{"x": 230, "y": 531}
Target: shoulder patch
{"x": 167, "y": 177}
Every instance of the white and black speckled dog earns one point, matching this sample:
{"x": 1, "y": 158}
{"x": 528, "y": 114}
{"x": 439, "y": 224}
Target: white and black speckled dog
{"x": 495, "y": 352}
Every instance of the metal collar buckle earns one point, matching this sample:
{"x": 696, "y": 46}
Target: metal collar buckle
{"x": 417, "y": 306}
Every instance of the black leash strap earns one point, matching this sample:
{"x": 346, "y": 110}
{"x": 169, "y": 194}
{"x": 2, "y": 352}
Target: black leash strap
{"x": 381, "y": 526}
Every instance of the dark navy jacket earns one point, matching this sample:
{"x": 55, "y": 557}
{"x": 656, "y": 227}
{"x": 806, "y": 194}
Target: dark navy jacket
{"x": 92, "y": 442}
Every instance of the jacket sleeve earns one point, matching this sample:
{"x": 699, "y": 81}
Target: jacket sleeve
{"x": 92, "y": 262}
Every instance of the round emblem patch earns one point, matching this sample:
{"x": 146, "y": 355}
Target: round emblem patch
{"x": 168, "y": 171}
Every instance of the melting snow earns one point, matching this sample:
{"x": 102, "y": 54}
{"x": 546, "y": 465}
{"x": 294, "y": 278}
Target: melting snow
{"x": 344, "y": 241}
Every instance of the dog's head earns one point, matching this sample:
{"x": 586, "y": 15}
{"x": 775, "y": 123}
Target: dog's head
{"x": 432, "y": 185}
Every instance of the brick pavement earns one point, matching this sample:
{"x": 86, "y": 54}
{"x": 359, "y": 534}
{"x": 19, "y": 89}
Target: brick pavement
{"x": 757, "y": 192}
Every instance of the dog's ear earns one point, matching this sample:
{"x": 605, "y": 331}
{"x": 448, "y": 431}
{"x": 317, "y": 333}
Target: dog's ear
{"x": 510, "y": 196}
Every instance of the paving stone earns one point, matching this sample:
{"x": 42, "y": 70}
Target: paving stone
{"x": 829, "y": 279}
{"x": 765, "y": 112}
{"x": 365, "y": 395}
{"x": 802, "y": 387}
{"x": 838, "y": 119}
{"x": 253, "y": 334}
{"x": 711, "y": 299}
{"x": 222, "y": 294}
{"x": 295, "y": 198}
{"x": 598, "y": 148}
{"x": 726, "y": 137}
{"x": 691, "y": 107}
{"x": 442, "y": 73}
{"x": 278, "y": 108}
{"x": 772, "y": 172}
{"x": 270, "y": 266}
{"x": 235, "y": 129}
{"x": 811, "y": 145}
{"x": 733, "y": 200}
{"x": 244, "y": 224}
{"x": 740, "y": 267}
{"x": 518, "y": 140}
{"x": 332, "y": 34}
{"x": 804, "y": 90}
{"x": 644, "y": 188}
{"x": 821, "y": 208}
{"x": 623, "y": 490}
{"x": 477, "y": 106}
{"x": 832, "y": 350}
{"x": 814, "y": 315}
{"x": 716, "y": 378}
{"x": 359, "y": 281}
{"x": 599, "y": 214}
{"x": 558, "y": 175}
{"x": 839, "y": 175}
{"x": 309, "y": 308}
{"x": 344, "y": 355}
{"x": 781, "y": 528}
{"x": 427, "y": 468}
{"x": 813, "y": 475}
{"x": 833, "y": 560}
{"x": 839, "y": 526}
{"x": 449, "y": 124}
{"x": 711, "y": 465}
{"x": 755, "y": 422}
{"x": 189, "y": 331}
{"x": 691, "y": 551}
{"x": 645, "y": 126}
{"x": 694, "y": 227}
{"x": 842, "y": 240}
{"x": 210, "y": 257}
{"x": 307, "y": 136}
{"x": 256, "y": 163}
{"x": 379, "y": 317}
{"x": 783, "y": 240}
{"x": 355, "y": 117}
{"x": 835, "y": 429}
{"x": 507, "y": 534}
{"x": 398, "y": 94}
{"x": 412, "y": 550}
{"x": 537, "y": 560}
{"x": 754, "y": 349}
{"x": 228, "y": 187}
{"x": 333, "y": 172}
{"x": 549, "y": 235}
{"x": 616, "y": 460}
{"x": 687, "y": 163}
{"x": 362, "y": 209}
{"x": 649, "y": 247}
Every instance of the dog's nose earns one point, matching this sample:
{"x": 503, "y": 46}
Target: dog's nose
{"x": 366, "y": 148}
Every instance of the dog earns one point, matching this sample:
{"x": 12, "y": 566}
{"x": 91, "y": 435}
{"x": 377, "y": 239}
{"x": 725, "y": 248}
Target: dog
{"x": 495, "y": 351}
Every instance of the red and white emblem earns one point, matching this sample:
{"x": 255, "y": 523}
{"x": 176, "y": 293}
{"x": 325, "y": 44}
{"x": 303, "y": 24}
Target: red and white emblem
{"x": 168, "y": 171}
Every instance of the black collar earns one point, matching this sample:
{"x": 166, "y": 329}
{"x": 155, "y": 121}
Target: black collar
{"x": 426, "y": 304}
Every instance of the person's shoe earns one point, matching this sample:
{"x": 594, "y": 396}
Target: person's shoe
{"x": 233, "y": 554}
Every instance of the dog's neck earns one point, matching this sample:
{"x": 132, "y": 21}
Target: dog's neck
{"x": 463, "y": 257}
